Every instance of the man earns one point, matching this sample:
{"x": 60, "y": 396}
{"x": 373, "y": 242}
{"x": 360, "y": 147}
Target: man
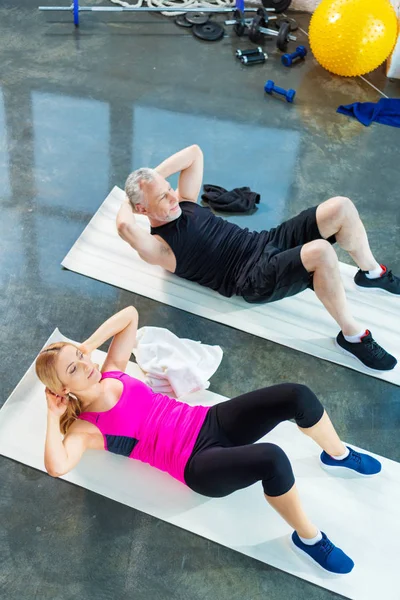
{"x": 190, "y": 241}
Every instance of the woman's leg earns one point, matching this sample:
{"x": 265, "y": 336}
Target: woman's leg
{"x": 290, "y": 509}
{"x": 324, "y": 434}
{"x": 247, "y": 418}
{"x": 219, "y": 471}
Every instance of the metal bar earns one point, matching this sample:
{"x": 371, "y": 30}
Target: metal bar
{"x": 268, "y": 31}
{"x": 146, "y": 9}
{"x": 246, "y": 21}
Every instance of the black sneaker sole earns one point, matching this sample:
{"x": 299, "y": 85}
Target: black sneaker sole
{"x": 361, "y": 362}
{"x": 375, "y": 290}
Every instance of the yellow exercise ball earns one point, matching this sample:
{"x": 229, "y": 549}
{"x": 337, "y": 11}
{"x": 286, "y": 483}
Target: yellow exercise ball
{"x": 352, "y": 37}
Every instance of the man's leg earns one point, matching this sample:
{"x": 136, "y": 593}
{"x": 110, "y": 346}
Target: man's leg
{"x": 319, "y": 258}
{"x": 338, "y": 216}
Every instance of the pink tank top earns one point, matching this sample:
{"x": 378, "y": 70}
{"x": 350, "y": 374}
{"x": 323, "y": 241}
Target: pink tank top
{"x": 149, "y": 427}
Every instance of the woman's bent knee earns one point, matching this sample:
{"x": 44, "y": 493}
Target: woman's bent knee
{"x": 308, "y": 409}
{"x": 279, "y": 477}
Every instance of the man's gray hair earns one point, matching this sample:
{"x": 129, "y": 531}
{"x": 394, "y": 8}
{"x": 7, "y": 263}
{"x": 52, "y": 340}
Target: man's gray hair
{"x": 132, "y": 185}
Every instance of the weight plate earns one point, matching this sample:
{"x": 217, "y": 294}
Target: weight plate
{"x": 292, "y": 23}
{"x": 255, "y": 34}
{"x": 261, "y": 12}
{"x": 239, "y": 28}
{"x": 282, "y": 39}
{"x": 210, "y": 31}
{"x": 181, "y": 21}
{"x": 278, "y": 5}
{"x": 199, "y": 18}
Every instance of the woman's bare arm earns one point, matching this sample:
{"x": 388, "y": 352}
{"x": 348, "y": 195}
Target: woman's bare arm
{"x": 62, "y": 456}
{"x": 122, "y": 327}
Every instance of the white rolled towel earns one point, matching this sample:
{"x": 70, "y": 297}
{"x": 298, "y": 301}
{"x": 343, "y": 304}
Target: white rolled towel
{"x": 183, "y": 365}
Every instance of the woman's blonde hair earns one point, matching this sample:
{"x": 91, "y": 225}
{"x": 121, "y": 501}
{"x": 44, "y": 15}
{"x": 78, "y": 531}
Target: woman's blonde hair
{"x": 46, "y": 371}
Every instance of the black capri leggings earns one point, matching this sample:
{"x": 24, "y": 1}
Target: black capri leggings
{"x": 225, "y": 457}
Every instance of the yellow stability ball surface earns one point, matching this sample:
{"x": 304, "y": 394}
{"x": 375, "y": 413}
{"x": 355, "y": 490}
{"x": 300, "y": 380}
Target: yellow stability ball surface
{"x": 352, "y": 37}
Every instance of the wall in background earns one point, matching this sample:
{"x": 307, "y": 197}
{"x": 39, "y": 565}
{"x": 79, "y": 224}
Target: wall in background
{"x": 311, "y": 5}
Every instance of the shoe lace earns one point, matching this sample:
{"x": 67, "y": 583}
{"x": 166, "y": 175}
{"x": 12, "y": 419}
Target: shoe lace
{"x": 390, "y": 276}
{"x": 355, "y": 456}
{"x": 374, "y": 348}
{"x": 327, "y": 547}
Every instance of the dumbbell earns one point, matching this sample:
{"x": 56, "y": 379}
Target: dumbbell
{"x": 257, "y": 32}
{"x": 271, "y": 87}
{"x": 250, "y": 52}
{"x": 292, "y": 22}
{"x": 287, "y": 59}
{"x": 240, "y": 24}
{"x": 254, "y": 59}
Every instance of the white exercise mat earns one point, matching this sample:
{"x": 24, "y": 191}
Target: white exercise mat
{"x": 359, "y": 514}
{"x": 300, "y": 322}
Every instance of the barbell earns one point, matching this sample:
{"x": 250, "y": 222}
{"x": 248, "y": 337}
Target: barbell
{"x": 76, "y": 9}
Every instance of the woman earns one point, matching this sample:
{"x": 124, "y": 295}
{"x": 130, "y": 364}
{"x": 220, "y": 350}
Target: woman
{"x": 210, "y": 449}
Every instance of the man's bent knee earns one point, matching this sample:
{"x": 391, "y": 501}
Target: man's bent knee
{"x": 318, "y": 253}
{"x": 341, "y": 207}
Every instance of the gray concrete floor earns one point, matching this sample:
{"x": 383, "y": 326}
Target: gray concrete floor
{"x": 76, "y": 113}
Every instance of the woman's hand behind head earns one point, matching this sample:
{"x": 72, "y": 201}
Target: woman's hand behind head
{"x": 56, "y": 404}
{"x": 85, "y": 348}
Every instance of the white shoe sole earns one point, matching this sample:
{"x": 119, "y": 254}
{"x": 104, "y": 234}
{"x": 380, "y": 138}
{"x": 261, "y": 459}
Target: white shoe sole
{"x": 375, "y": 290}
{"x": 314, "y": 562}
{"x": 361, "y": 362}
{"x": 345, "y": 470}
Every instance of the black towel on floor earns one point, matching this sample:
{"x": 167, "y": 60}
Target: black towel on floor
{"x": 237, "y": 200}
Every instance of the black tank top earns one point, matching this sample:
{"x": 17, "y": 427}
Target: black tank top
{"x": 209, "y": 250}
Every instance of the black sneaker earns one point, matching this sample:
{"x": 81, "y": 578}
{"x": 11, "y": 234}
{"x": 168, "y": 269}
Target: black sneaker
{"x": 387, "y": 282}
{"x": 368, "y": 352}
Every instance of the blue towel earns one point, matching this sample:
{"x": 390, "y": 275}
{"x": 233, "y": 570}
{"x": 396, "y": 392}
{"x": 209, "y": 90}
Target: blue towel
{"x": 386, "y": 111}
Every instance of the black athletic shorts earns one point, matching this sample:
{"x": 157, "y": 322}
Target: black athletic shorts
{"x": 279, "y": 272}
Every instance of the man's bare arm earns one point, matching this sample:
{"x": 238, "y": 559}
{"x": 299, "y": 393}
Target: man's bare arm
{"x": 148, "y": 248}
{"x": 189, "y": 163}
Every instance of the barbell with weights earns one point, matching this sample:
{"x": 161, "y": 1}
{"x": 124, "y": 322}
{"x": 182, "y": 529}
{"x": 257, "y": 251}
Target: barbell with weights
{"x": 76, "y": 9}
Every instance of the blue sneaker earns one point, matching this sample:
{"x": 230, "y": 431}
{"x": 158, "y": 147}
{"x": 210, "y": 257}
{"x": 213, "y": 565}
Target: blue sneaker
{"x": 361, "y": 463}
{"x": 325, "y": 554}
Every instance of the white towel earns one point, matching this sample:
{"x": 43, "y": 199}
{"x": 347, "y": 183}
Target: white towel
{"x": 173, "y": 364}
